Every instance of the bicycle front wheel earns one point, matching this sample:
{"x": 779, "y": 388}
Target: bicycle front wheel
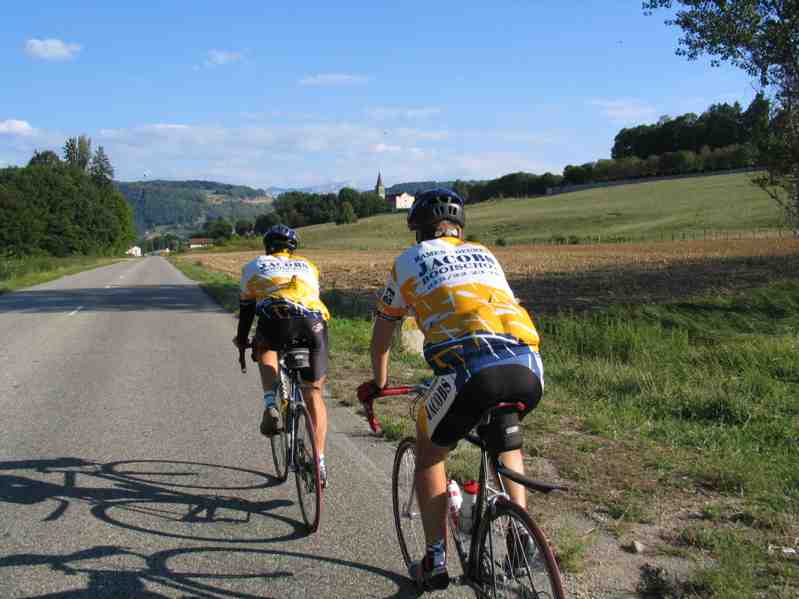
{"x": 280, "y": 448}
{"x": 407, "y": 516}
{"x": 514, "y": 558}
{"x": 306, "y": 461}
{"x": 280, "y": 441}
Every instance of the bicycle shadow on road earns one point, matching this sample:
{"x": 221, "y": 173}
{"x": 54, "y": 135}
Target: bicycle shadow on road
{"x": 166, "y": 498}
{"x": 131, "y": 580}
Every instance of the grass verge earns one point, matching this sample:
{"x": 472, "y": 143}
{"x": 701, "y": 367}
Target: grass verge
{"x": 681, "y": 412}
{"x": 18, "y": 273}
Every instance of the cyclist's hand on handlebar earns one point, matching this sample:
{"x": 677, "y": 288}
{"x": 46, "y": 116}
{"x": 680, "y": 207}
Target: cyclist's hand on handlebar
{"x": 367, "y": 392}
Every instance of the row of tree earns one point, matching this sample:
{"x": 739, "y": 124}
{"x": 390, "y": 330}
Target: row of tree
{"x": 681, "y": 162}
{"x": 298, "y": 209}
{"x": 719, "y": 126}
{"x": 64, "y": 207}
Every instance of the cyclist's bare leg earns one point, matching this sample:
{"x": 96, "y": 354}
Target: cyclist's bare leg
{"x": 267, "y": 366}
{"x": 431, "y": 486}
{"x": 313, "y": 395}
{"x": 514, "y": 460}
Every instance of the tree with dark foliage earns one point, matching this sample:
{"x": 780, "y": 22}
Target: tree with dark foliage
{"x": 762, "y": 38}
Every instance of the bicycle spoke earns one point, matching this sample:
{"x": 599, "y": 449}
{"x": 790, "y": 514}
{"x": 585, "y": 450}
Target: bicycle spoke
{"x": 515, "y": 560}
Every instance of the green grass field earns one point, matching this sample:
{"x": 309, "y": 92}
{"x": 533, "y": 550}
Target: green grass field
{"x": 640, "y": 211}
{"x": 16, "y": 273}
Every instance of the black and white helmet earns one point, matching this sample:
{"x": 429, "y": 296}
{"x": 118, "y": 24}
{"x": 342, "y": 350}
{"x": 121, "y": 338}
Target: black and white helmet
{"x": 434, "y": 206}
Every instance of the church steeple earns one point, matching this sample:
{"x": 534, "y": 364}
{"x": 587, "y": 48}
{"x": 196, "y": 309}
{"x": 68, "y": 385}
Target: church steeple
{"x": 379, "y": 188}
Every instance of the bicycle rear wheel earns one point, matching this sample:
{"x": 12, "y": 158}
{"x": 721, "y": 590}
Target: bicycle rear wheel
{"x": 306, "y": 460}
{"x": 279, "y": 441}
{"x": 514, "y": 558}
{"x": 407, "y": 516}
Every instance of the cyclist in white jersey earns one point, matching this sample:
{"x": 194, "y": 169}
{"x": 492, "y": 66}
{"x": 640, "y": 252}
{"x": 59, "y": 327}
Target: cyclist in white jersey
{"x": 283, "y": 290}
{"x": 480, "y": 343}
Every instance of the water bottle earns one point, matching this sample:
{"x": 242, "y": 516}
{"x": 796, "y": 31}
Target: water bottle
{"x": 471, "y": 489}
{"x": 454, "y": 499}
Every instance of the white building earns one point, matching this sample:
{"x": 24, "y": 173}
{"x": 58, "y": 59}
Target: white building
{"x": 400, "y": 201}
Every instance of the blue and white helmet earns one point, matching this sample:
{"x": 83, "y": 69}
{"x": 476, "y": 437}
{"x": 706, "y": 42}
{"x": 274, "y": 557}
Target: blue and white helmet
{"x": 280, "y": 237}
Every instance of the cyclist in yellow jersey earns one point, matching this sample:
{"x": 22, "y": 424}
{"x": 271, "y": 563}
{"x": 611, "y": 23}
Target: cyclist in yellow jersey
{"x": 283, "y": 290}
{"x": 480, "y": 343}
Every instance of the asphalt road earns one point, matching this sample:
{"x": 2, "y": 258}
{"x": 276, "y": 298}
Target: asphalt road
{"x": 131, "y": 464}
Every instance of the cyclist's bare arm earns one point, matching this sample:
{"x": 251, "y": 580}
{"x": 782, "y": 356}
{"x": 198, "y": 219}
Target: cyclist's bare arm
{"x": 381, "y": 344}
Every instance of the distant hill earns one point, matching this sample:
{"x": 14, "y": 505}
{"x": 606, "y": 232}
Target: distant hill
{"x": 418, "y": 186}
{"x": 175, "y": 205}
{"x": 332, "y": 187}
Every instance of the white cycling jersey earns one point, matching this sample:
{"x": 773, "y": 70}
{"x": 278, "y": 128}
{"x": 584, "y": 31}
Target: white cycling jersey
{"x": 284, "y": 279}
{"x": 460, "y": 298}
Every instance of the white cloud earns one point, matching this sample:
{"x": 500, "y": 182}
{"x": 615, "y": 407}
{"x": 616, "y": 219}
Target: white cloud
{"x": 216, "y": 58}
{"x": 332, "y": 79}
{"x": 390, "y": 113}
{"x": 15, "y": 127}
{"x": 381, "y": 148}
{"x": 287, "y": 153}
{"x": 51, "y": 49}
{"x": 626, "y": 110}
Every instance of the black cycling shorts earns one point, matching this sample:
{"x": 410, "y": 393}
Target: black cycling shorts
{"x": 507, "y": 383}
{"x": 277, "y": 334}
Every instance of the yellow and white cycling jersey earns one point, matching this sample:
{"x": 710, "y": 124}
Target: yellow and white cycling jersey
{"x": 286, "y": 283}
{"x": 458, "y": 293}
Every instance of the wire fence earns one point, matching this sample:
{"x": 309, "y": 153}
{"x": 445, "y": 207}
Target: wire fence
{"x": 652, "y": 236}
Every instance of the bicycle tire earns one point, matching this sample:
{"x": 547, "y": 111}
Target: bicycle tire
{"x": 280, "y": 441}
{"x": 280, "y": 449}
{"x": 306, "y": 462}
{"x": 407, "y": 516}
{"x": 503, "y": 565}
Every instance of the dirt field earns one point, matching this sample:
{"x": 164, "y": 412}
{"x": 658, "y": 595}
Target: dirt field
{"x": 576, "y": 277}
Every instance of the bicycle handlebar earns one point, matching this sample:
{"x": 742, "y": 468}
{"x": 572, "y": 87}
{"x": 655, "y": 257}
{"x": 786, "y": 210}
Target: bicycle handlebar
{"x": 368, "y": 403}
{"x": 406, "y": 390}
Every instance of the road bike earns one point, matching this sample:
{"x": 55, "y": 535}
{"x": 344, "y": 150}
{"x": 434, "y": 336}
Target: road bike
{"x": 503, "y": 552}
{"x": 294, "y": 447}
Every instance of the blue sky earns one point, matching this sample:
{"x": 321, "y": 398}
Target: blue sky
{"x": 304, "y": 93}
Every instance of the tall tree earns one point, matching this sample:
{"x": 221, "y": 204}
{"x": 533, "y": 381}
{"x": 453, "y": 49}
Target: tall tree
{"x": 70, "y": 151}
{"x": 762, "y": 38}
{"x": 84, "y": 152}
{"x": 44, "y": 158}
{"x": 100, "y": 167}
{"x": 78, "y": 152}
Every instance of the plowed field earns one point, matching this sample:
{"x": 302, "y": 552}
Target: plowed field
{"x": 552, "y": 278}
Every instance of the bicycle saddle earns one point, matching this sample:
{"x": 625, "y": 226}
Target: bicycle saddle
{"x": 297, "y": 358}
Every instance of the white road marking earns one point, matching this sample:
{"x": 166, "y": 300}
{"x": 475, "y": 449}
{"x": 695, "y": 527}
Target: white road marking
{"x": 76, "y": 310}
